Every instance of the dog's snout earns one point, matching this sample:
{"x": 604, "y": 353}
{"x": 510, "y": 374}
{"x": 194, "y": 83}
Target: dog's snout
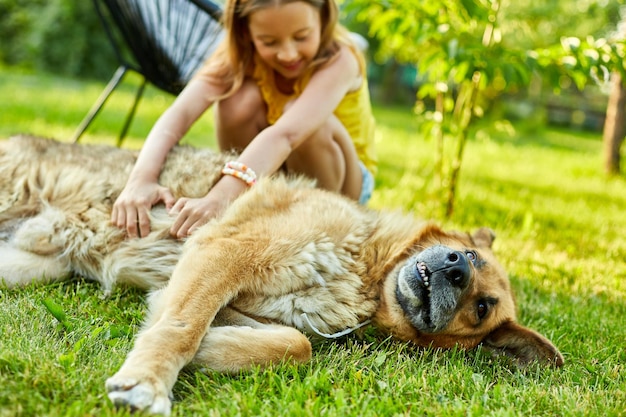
{"x": 442, "y": 262}
{"x": 457, "y": 270}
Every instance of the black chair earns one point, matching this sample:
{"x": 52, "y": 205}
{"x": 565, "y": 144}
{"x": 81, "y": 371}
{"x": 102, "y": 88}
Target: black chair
{"x": 165, "y": 41}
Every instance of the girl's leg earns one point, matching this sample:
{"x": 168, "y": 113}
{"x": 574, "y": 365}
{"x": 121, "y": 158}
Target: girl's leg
{"x": 330, "y": 157}
{"x": 239, "y": 118}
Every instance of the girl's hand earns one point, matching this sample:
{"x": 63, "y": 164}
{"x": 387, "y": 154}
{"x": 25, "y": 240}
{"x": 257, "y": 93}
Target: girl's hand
{"x": 192, "y": 213}
{"x": 131, "y": 209}
{"x": 195, "y": 212}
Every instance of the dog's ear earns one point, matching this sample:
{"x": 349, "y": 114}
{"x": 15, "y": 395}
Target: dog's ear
{"x": 484, "y": 237}
{"x": 523, "y": 344}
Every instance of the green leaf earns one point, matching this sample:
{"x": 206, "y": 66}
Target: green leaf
{"x": 57, "y": 312}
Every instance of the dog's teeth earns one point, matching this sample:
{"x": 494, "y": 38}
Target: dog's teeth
{"x": 421, "y": 268}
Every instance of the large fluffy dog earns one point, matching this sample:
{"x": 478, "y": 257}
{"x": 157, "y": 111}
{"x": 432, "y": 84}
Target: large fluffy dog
{"x": 284, "y": 258}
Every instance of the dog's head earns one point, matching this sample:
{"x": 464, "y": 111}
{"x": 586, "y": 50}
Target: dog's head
{"x": 452, "y": 291}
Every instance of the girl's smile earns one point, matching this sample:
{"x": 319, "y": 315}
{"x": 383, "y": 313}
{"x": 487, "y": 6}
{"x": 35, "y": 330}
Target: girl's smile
{"x": 293, "y": 67}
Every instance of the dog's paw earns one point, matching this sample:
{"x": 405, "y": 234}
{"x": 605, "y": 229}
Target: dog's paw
{"x": 138, "y": 395}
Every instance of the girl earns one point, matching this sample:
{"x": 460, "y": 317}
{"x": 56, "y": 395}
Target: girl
{"x": 290, "y": 91}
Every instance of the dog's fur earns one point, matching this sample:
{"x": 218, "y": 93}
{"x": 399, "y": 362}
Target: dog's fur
{"x": 244, "y": 286}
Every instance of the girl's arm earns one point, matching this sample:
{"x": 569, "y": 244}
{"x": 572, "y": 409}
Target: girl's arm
{"x": 142, "y": 190}
{"x": 272, "y": 146}
{"x": 327, "y": 87}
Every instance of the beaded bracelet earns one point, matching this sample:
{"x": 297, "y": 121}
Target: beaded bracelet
{"x": 238, "y": 170}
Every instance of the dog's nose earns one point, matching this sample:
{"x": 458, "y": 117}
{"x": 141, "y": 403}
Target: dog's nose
{"x": 457, "y": 269}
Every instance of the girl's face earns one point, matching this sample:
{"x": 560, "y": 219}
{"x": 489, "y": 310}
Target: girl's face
{"x": 286, "y": 37}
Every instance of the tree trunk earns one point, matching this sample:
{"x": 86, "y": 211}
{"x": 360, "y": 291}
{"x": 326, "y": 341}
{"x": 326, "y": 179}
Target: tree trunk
{"x": 614, "y": 125}
{"x": 464, "y": 109}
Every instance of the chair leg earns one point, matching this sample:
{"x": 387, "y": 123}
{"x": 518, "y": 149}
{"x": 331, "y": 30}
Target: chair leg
{"x": 113, "y": 83}
{"x": 131, "y": 113}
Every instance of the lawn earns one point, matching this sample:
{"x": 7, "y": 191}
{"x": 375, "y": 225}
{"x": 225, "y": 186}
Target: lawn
{"x": 561, "y": 229}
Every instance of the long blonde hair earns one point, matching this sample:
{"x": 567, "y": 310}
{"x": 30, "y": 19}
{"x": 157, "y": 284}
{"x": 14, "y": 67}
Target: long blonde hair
{"x": 233, "y": 60}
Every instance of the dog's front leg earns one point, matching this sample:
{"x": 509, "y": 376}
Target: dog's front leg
{"x": 199, "y": 287}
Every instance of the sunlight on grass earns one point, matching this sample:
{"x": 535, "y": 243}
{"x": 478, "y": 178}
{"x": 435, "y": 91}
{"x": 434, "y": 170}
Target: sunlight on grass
{"x": 561, "y": 234}
{"x": 60, "y": 110}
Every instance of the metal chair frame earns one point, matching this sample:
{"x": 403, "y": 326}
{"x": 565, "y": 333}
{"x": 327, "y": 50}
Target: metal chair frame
{"x": 212, "y": 9}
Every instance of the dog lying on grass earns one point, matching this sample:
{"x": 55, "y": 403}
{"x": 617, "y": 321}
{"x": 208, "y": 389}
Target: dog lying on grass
{"x": 284, "y": 259}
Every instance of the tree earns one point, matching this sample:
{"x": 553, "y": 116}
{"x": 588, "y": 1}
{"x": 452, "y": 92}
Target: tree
{"x": 615, "y": 123}
{"x": 600, "y": 61}
{"x": 470, "y": 52}
{"x": 462, "y": 66}
{"x": 62, "y": 36}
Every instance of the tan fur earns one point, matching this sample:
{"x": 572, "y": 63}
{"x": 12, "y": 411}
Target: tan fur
{"x": 238, "y": 289}
{"x": 55, "y": 204}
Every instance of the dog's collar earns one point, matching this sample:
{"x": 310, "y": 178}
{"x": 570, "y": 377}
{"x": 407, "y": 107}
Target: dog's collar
{"x": 313, "y": 331}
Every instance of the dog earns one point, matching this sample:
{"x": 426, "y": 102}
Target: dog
{"x": 284, "y": 261}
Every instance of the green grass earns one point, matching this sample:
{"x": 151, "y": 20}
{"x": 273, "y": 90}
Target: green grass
{"x": 561, "y": 234}
{"x": 49, "y": 106}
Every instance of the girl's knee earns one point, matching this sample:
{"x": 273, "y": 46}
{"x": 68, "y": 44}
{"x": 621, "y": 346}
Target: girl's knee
{"x": 240, "y": 117}
{"x": 322, "y": 140}
{"x": 331, "y": 142}
{"x": 329, "y": 156}
{"x": 246, "y": 104}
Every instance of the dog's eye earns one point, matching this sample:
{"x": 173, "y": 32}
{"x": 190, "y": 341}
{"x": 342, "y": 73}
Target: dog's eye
{"x": 481, "y": 309}
{"x": 471, "y": 255}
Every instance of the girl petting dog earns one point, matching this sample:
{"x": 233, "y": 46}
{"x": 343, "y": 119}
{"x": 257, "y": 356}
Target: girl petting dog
{"x": 291, "y": 93}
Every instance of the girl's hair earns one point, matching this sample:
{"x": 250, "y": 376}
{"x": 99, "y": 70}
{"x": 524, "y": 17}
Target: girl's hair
{"x": 233, "y": 60}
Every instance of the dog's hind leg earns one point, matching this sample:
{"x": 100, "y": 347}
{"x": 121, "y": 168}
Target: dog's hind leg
{"x": 19, "y": 267}
{"x": 233, "y": 348}
{"x": 237, "y": 342}
{"x": 33, "y": 250}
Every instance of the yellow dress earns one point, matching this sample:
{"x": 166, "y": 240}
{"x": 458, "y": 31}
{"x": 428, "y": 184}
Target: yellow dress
{"x": 354, "y": 111}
